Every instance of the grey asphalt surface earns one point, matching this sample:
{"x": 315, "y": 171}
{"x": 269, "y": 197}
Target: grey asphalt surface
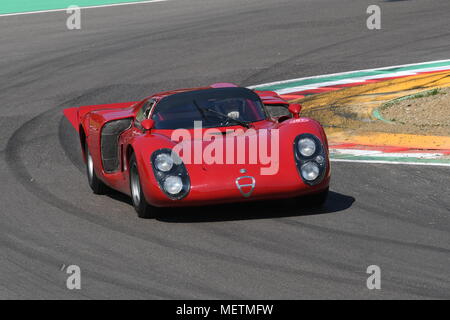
{"x": 393, "y": 216}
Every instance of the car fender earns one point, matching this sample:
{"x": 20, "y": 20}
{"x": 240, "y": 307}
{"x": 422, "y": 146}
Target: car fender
{"x": 291, "y": 128}
{"x": 143, "y": 148}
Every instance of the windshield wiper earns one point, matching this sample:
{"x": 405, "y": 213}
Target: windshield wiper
{"x": 241, "y": 123}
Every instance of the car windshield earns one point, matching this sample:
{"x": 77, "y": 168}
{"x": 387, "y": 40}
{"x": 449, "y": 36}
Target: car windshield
{"x": 214, "y": 107}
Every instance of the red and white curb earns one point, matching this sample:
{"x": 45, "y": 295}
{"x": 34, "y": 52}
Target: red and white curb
{"x": 383, "y": 154}
{"x": 301, "y": 87}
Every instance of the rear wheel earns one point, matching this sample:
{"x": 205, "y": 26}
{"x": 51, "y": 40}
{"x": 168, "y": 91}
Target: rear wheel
{"x": 97, "y": 186}
{"x": 143, "y": 209}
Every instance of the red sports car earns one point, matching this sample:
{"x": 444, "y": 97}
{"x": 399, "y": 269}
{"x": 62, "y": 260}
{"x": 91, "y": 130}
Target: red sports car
{"x": 203, "y": 146}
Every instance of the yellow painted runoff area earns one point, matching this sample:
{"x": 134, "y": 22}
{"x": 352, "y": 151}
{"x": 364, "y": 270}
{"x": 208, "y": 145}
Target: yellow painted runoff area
{"x": 360, "y": 101}
{"x": 392, "y": 139}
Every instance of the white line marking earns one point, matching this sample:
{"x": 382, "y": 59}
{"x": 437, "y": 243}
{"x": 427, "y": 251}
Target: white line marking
{"x": 82, "y": 8}
{"x": 379, "y": 153}
{"x": 394, "y": 162}
{"x": 356, "y": 80}
{"x": 349, "y": 72}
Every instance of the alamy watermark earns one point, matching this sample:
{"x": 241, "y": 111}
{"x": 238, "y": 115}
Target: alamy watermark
{"x": 374, "y": 20}
{"x": 73, "y": 281}
{"x": 74, "y": 20}
{"x": 233, "y": 146}
{"x": 374, "y": 280}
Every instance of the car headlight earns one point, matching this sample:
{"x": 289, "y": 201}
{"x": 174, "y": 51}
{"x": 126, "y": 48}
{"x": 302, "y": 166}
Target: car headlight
{"x": 173, "y": 185}
{"x": 311, "y": 158}
{"x": 171, "y": 174}
{"x": 164, "y": 162}
{"x": 310, "y": 171}
{"x": 307, "y": 147}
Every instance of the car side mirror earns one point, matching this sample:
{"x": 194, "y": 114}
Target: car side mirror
{"x": 147, "y": 124}
{"x": 295, "y": 109}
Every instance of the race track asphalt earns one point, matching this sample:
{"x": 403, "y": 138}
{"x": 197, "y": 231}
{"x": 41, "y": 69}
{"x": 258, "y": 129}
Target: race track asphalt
{"x": 393, "y": 216}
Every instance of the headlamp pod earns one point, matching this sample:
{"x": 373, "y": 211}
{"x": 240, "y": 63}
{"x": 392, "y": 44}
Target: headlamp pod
{"x": 310, "y": 158}
{"x": 171, "y": 174}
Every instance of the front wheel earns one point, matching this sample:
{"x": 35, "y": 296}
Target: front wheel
{"x": 143, "y": 209}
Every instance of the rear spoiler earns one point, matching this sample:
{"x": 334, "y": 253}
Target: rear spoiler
{"x": 271, "y": 97}
{"x": 74, "y": 115}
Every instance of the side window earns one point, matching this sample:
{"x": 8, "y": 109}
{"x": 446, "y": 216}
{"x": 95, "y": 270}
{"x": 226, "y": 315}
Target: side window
{"x": 144, "y": 112}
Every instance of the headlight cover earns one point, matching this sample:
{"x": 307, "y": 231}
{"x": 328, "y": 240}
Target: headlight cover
{"x": 310, "y": 157}
{"x": 164, "y": 162}
{"x": 173, "y": 185}
{"x": 306, "y": 147}
{"x": 310, "y": 171}
{"x": 171, "y": 174}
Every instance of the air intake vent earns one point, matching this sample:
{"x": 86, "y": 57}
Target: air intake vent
{"x": 109, "y": 143}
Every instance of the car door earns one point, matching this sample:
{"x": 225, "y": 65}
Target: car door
{"x": 127, "y": 137}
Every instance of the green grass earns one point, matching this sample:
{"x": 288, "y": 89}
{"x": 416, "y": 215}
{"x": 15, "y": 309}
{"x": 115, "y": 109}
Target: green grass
{"x": 418, "y": 95}
{"x": 426, "y": 94}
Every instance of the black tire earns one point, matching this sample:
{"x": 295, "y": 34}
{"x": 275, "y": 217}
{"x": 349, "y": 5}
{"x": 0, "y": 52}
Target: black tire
{"x": 143, "y": 209}
{"x": 315, "y": 200}
{"x": 97, "y": 186}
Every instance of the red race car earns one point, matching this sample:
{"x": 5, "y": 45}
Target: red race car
{"x": 203, "y": 146}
